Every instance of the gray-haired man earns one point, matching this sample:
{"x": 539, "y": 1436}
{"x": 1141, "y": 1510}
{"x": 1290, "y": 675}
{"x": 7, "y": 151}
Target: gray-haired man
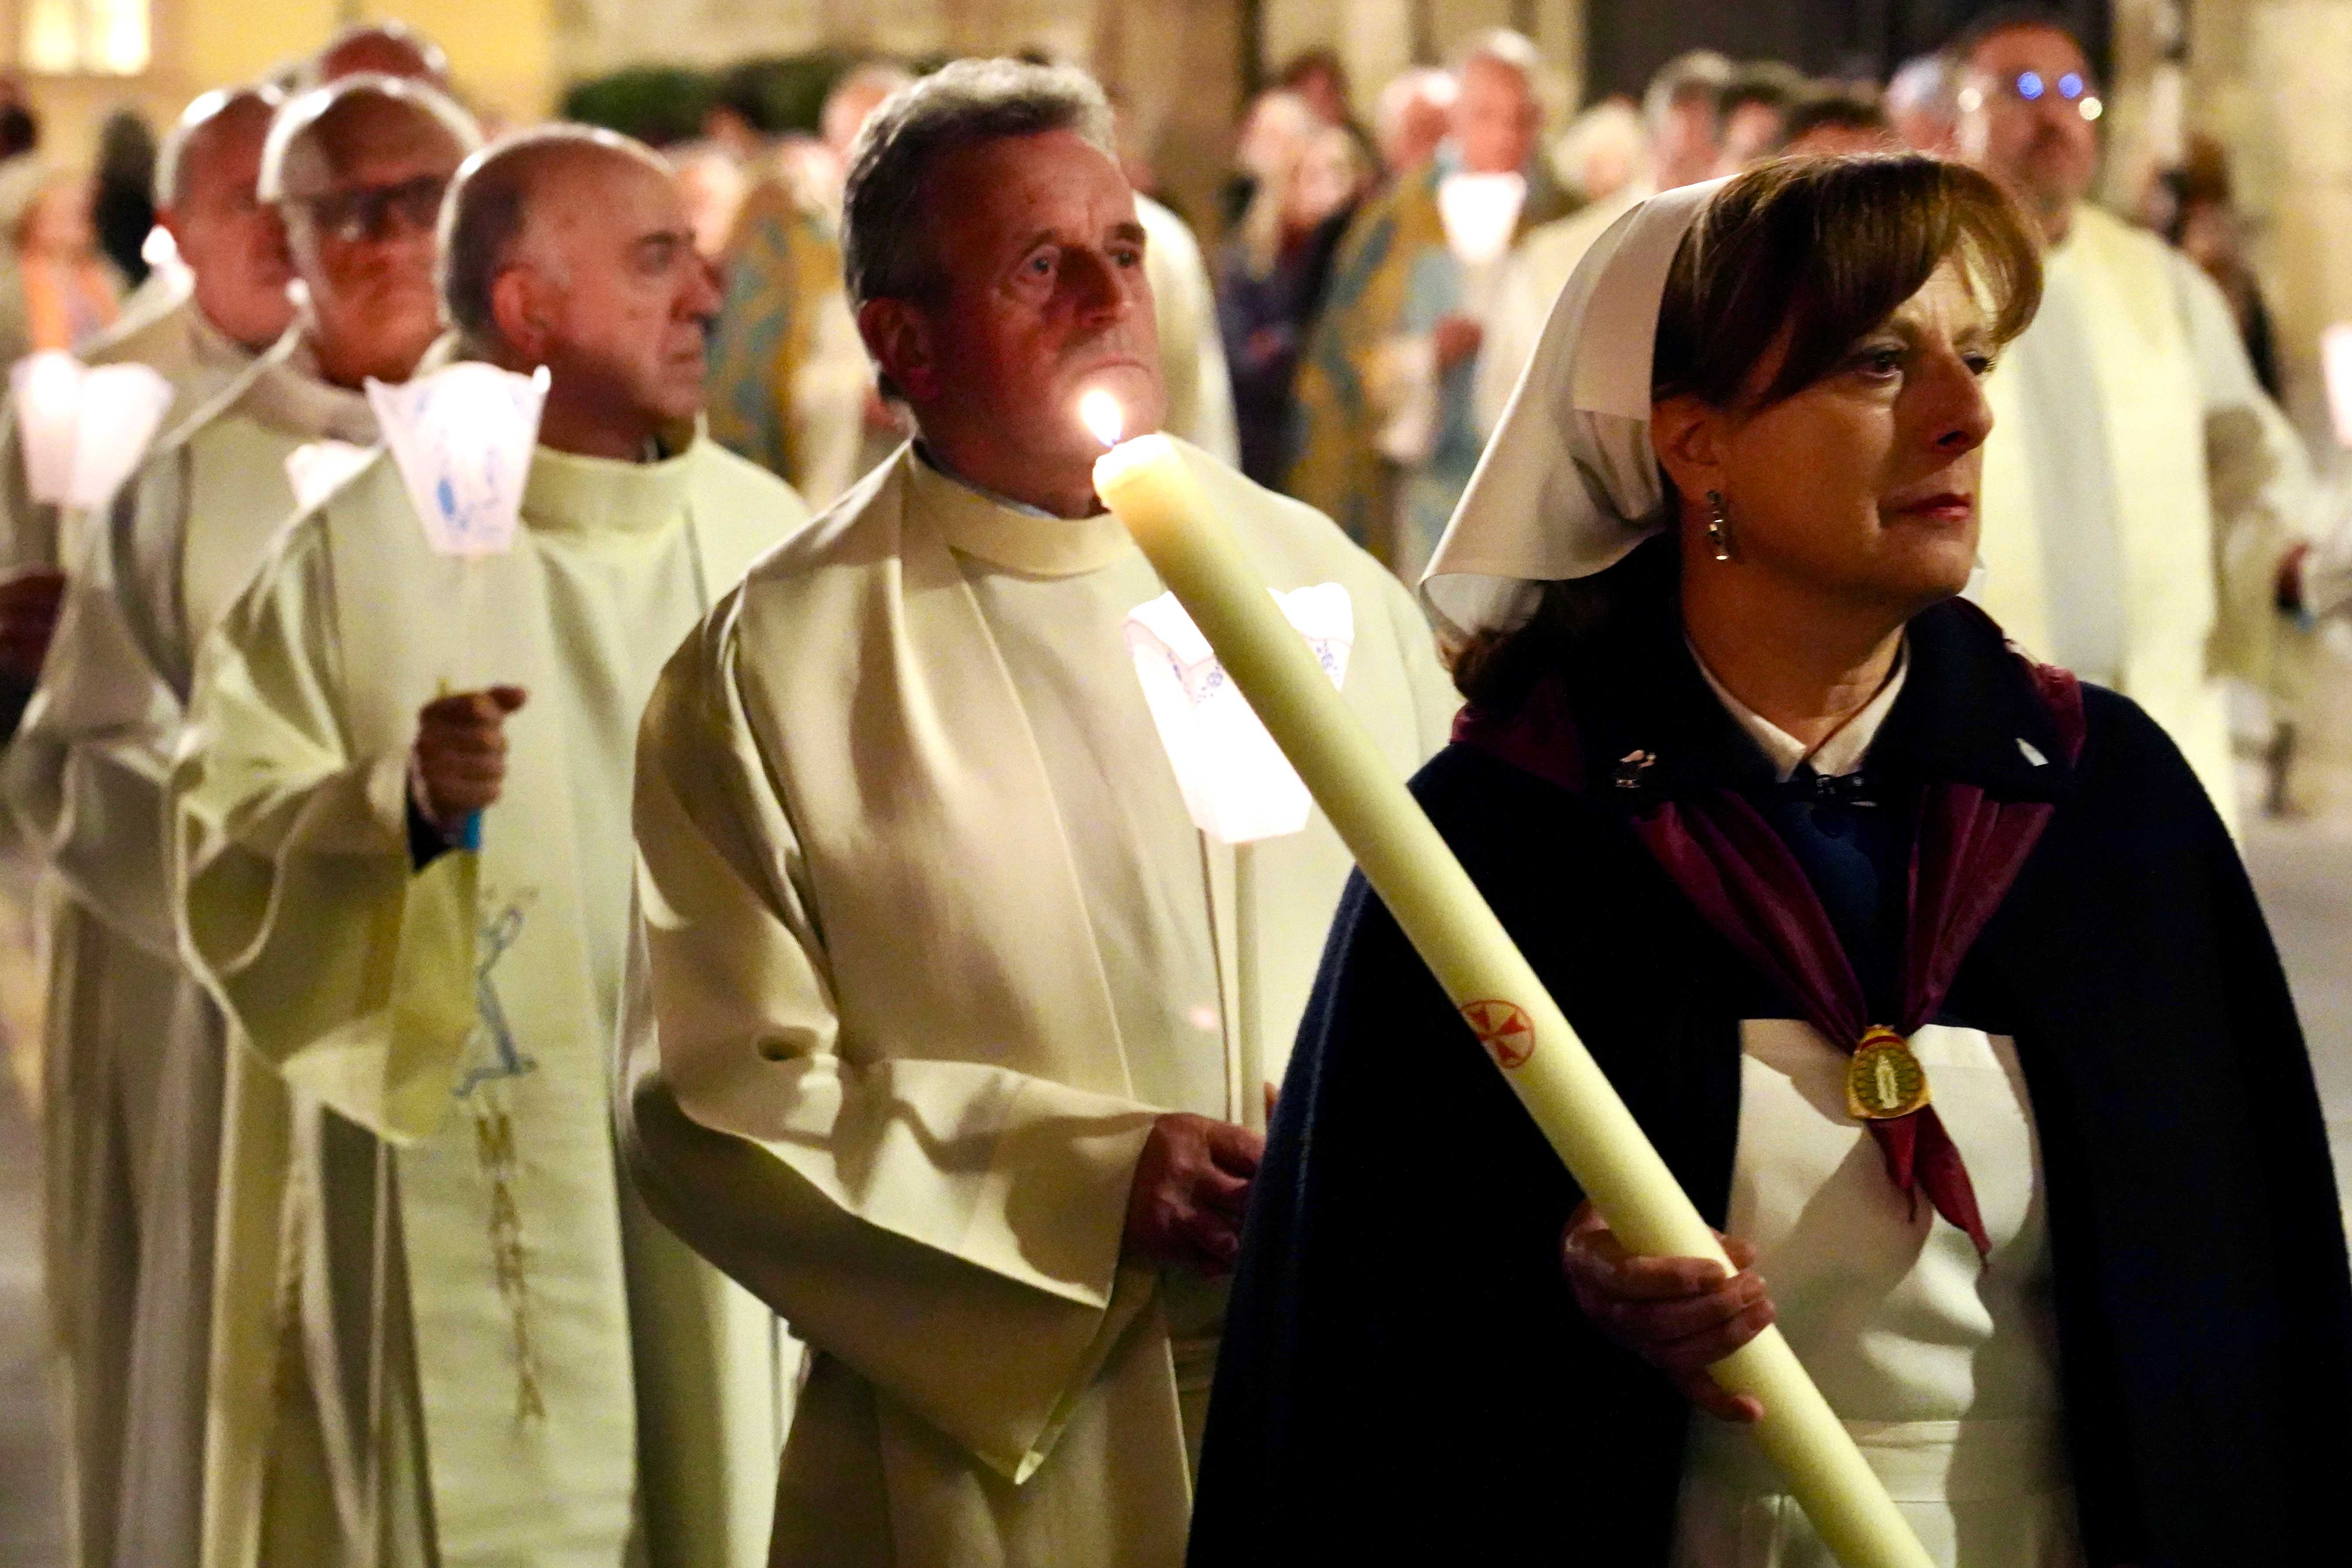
{"x": 404, "y": 852}
{"x": 951, "y": 1065}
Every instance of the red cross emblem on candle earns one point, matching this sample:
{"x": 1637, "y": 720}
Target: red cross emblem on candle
{"x": 1504, "y": 1029}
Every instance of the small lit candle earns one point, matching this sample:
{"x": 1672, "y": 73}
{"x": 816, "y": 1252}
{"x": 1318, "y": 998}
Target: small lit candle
{"x": 46, "y": 389}
{"x": 82, "y": 431}
{"x": 1148, "y": 485}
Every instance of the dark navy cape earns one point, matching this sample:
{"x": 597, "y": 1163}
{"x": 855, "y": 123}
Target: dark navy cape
{"x": 1404, "y": 1376}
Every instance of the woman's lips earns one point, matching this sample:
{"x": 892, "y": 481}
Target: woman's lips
{"x": 1949, "y": 506}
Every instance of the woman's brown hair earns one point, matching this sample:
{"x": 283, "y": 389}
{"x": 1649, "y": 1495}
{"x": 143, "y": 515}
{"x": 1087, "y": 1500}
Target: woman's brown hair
{"x": 1801, "y": 256}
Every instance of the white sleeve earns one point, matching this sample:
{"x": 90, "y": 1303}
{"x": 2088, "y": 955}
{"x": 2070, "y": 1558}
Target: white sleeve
{"x": 2265, "y": 501}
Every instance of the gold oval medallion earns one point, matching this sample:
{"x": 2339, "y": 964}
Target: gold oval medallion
{"x": 1884, "y": 1080}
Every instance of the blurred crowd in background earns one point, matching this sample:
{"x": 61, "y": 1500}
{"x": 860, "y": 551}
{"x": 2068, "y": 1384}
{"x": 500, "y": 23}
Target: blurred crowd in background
{"x": 1344, "y": 312}
{"x": 1303, "y": 242}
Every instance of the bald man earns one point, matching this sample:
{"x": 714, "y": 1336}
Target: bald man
{"x": 415, "y": 904}
{"x": 202, "y": 336}
{"x": 388, "y": 47}
{"x": 355, "y": 173}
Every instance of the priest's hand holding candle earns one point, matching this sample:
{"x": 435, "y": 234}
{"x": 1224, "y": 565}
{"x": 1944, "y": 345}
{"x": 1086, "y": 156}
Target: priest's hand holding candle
{"x": 1147, "y": 484}
{"x": 462, "y": 438}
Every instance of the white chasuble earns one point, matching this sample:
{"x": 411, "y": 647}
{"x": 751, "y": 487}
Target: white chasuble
{"x": 930, "y": 941}
{"x": 462, "y": 1017}
{"x": 2139, "y": 491}
{"x": 136, "y": 1049}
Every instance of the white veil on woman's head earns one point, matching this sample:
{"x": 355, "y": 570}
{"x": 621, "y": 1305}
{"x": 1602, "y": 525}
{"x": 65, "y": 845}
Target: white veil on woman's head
{"x": 1569, "y": 484}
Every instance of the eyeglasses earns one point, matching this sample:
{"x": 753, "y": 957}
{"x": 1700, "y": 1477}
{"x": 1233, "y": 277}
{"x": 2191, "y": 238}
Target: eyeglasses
{"x": 2032, "y": 87}
{"x": 368, "y": 212}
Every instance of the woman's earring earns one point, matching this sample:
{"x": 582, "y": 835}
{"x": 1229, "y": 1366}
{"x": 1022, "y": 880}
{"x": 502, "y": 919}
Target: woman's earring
{"x": 1718, "y": 526}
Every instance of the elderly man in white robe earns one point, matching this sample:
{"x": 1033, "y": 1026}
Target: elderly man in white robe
{"x": 133, "y": 1054}
{"x": 233, "y": 306}
{"x": 948, "y": 984}
{"x": 2144, "y": 501}
{"x": 404, "y": 853}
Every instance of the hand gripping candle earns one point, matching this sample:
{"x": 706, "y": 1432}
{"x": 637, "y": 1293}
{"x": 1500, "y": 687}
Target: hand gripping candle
{"x": 1147, "y": 486}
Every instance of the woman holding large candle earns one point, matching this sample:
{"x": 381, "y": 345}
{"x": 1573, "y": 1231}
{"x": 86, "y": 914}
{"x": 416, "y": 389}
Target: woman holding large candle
{"x": 1931, "y": 972}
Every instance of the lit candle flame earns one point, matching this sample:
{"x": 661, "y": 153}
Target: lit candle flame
{"x": 1099, "y": 412}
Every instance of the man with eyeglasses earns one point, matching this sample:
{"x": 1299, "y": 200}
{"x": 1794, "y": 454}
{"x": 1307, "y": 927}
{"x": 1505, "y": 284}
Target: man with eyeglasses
{"x": 406, "y": 871}
{"x": 2144, "y": 501}
{"x": 351, "y": 178}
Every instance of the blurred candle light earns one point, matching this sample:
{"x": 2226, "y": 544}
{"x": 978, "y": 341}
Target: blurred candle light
{"x": 462, "y": 436}
{"x": 1481, "y": 213}
{"x": 1237, "y": 785}
{"x": 46, "y": 389}
{"x": 317, "y": 470}
{"x": 122, "y": 407}
{"x": 82, "y": 430}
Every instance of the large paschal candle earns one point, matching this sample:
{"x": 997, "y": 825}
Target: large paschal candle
{"x": 1147, "y": 485}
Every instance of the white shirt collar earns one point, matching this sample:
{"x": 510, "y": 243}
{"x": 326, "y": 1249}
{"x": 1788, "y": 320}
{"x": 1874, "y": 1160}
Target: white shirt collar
{"x": 1841, "y": 752}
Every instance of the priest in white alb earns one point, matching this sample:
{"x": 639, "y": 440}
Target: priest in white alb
{"x": 135, "y": 1052}
{"x": 951, "y": 1062}
{"x": 403, "y": 849}
{"x": 2144, "y": 502}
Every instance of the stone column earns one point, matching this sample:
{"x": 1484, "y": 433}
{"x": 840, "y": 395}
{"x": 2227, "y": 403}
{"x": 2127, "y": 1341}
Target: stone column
{"x": 2271, "y": 80}
{"x": 1176, "y": 66}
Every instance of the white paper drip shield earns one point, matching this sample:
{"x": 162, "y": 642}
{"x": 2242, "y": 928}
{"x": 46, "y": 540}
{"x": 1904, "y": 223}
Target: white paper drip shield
{"x": 1238, "y": 786}
{"x": 462, "y": 436}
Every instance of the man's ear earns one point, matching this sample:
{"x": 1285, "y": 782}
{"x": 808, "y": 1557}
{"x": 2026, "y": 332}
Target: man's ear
{"x": 1687, "y": 435}
{"x": 899, "y": 335}
{"x": 520, "y": 305}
